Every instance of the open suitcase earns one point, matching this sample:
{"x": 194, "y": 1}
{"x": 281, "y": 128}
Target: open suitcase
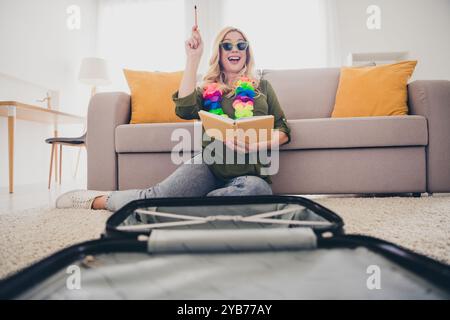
{"x": 259, "y": 247}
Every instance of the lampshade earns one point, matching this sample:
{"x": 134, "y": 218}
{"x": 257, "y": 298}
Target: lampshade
{"x": 93, "y": 71}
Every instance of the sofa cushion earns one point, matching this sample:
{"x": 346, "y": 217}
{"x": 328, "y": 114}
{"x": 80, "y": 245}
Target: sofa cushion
{"x": 305, "y": 93}
{"x": 373, "y": 91}
{"x": 358, "y": 132}
{"x": 156, "y": 137}
{"x": 326, "y": 133}
{"x": 151, "y": 96}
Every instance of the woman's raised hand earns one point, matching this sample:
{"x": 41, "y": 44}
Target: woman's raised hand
{"x": 194, "y": 45}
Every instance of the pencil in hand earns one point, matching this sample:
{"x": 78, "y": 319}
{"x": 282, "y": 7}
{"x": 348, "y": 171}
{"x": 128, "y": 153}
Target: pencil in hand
{"x": 196, "y": 22}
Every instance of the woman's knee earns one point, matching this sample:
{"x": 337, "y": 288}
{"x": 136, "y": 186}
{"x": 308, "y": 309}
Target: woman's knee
{"x": 191, "y": 179}
{"x": 243, "y": 186}
{"x": 256, "y": 186}
{"x": 252, "y": 185}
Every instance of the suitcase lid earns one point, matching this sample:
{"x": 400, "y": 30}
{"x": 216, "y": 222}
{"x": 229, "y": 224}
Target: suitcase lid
{"x": 142, "y": 217}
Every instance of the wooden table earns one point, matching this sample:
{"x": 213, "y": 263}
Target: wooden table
{"x": 16, "y": 110}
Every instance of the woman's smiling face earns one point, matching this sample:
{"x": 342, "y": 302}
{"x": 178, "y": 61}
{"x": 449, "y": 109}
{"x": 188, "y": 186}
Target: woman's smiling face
{"x": 234, "y": 60}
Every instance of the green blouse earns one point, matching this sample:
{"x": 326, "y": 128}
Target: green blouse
{"x": 266, "y": 104}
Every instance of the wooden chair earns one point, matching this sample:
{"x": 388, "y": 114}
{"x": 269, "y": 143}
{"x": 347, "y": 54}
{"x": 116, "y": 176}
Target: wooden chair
{"x": 61, "y": 141}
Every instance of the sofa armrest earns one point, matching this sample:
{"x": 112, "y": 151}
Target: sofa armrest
{"x": 431, "y": 99}
{"x": 106, "y": 112}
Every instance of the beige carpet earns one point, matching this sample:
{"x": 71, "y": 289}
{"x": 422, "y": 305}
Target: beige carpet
{"x": 421, "y": 224}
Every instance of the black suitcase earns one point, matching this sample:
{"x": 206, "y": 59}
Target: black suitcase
{"x": 259, "y": 247}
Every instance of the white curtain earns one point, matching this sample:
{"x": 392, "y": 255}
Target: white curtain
{"x": 285, "y": 34}
{"x": 140, "y": 35}
{"x": 150, "y": 34}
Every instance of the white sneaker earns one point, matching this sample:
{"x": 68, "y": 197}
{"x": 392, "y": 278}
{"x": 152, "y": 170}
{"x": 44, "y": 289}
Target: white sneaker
{"x": 78, "y": 199}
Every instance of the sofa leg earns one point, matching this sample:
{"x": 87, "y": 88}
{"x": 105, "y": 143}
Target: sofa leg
{"x": 416, "y": 194}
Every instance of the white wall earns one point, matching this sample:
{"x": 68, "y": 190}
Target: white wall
{"x": 38, "y": 52}
{"x": 419, "y": 26}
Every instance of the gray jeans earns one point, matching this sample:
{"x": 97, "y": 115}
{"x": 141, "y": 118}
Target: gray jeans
{"x": 191, "y": 180}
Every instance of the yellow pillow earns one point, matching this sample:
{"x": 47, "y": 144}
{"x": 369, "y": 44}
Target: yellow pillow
{"x": 151, "y": 96}
{"x": 373, "y": 91}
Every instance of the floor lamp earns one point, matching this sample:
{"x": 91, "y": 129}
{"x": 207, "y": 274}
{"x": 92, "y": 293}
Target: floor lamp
{"x": 93, "y": 72}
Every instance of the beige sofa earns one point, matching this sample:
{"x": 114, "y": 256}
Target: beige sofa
{"x": 396, "y": 154}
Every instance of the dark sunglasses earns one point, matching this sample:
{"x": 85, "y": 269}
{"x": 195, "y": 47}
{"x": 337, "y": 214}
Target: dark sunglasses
{"x": 228, "y": 46}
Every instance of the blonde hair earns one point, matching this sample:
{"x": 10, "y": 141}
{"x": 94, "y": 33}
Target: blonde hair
{"x": 216, "y": 75}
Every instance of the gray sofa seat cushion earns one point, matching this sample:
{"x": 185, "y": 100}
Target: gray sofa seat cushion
{"x": 157, "y": 137}
{"x": 358, "y": 132}
{"x": 323, "y": 133}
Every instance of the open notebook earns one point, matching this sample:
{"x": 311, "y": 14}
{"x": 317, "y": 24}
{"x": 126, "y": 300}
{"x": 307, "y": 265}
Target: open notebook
{"x": 252, "y": 129}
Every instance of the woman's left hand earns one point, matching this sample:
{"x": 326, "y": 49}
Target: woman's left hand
{"x": 236, "y": 146}
{"x": 251, "y": 147}
{"x": 278, "y": 138}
